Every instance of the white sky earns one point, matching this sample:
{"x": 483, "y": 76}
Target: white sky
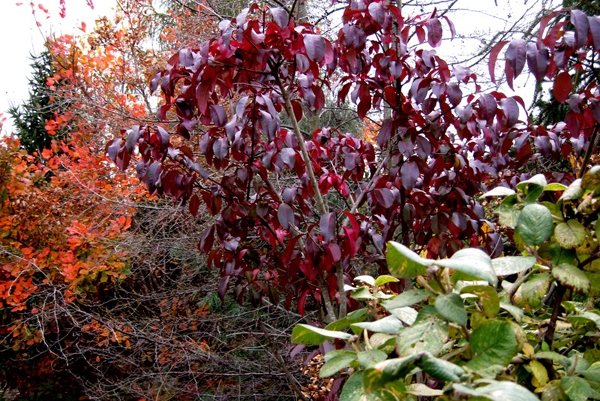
{"x": 21, "y": 36}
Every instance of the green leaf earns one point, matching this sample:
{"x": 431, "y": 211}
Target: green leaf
{"x": 451, "y": 307}
{"x": 573, "y": 192}
{"x": 362, "y": 293}
{"x": 406, "y": 298}
{"x": 439, "y": 368}
{"x": 553, "y": 392}
{"x": 396, "y": 368}
{"x": 354, "y": 388}
{"x": 365, "y": 279}
{"x": 487, "y": 296}
{"x": 471, "y": 261}
{"x": 593, "y": 372}
{"x": 512, "y": 264}
{"x": 404, "y": 263}
{"x": 559, "y": 255}
{"x": 576, "y": 388}
{"x": 498, "y": 391}
{"x": 389, "y": 324}
{"x": 383, "y": 342}
{"x": 381, "y": 395}
{"x": 499, "y": 191}
{"x": 492, "y": 343}
{"x": 310, "y": 335}
{"x": 555, "y": 186}
{"x": 381, "y": 280}
{"x": 368, "y": 359}
{"x": 422, "y": 390}
{"x": 353, "y": 317}
{"x": 337, "y": 363}
{"x": 337, "y": 352}
{"x": 553, "y": 356}
{"x": 537, "y": 181}
{"x": 584, "y": 318}
{"x": 570, "y": 234}
{"x": 595, "y": 284}
{"x": 373, "y": 380}
{"x": 406, "y": 315}
{"x": 539, "y": 372}
{"x": 515, "y": 311}
{"x": 531, "y": 293}
{"x": 591, "y": 179}
{"x": 508, "y": 215}
{"x": 535, "y": 224}
{"x": 572, "y": 277}
{"x": 428, "y": 334}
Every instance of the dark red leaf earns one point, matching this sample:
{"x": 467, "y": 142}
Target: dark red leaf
{"x": 562, "y": 87}
{"x": 351, "y": 241}
{"x": 218, "y": 115}
{"x": 595, "y": 106}
{"x": 220, "y": 148}
{"x": 222, "y": 289}
{"x": 494, "y": 57}
{"x": 384, "y": 197}
{"x": 354, "y": 223}
{"x": 434, "y": 30}
{"x": 285, "y": 214}
{"x": 582, "y": 26}
{"x": 315, "y": 47}
{"x": 328, "y": 225}
{"x": 302, "y": 302}
{"x": 516, "y": 55}
{"x": 376, "y": 11}
{"x": 410, "y": 174}
{"x": 397, "y": 14}
{"x": 385, "y": 133}
{"x": 298, "y": 112}
{"x": 194, "y": 205}
{"x": 538, "y": 61}
{"x": 289, "y": 250}
{"x": 207, "y": 239}
{"x": 454, "y": 94}
{"x": 280, "y": 16}
{"x": 420, "y": 33}
{"x": 451, "y": 25}
{"x": 511, "y": 110}
{"x": 595, "y": 31}
{"x": 487, "y": 106}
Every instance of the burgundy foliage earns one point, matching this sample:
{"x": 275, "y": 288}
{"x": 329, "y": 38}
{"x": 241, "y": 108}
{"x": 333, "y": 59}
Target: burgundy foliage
{"x": 435, "y": 152}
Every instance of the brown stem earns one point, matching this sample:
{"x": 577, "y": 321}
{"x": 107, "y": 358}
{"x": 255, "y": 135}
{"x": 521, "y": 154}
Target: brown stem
{"x": 549, "y": 336}
{"x": 283, "y": 365}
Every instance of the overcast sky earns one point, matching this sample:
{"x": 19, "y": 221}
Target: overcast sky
{"x": 21, "y": 36}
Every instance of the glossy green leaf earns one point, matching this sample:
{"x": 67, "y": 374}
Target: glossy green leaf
{"x": 591, "y": 179}
{"x": 492, "y": 343}
{"x": 404, "y": 263}
{"x": 365, "y": 279}
{"x": 559, "y": 255}
{"x": 353, "y": 317}
{"x": 535, "y": 224}
{"x": 406, "y": 298}
{"x": 508, "y": 215}
{"x": 384, "y": 342}
{"x": 422, "y": 390}
{"x": 499, "y": 191}
{"x": 572, "y": 277}
{"x": 310, "y": 335}
{"x": 595, "y": 284}
{"x": 531, "y": 293}
{"x": 362, "y": 293}
{"x": 427, "y": 334}
{"x": 354, "y": 388}
{"x": 576, "y": 388}
{"x": 498, "y": 391}
{"x": 488, "y": 298}
{"x": 573, "y": 192}
{"x": 384, "y": 279}
{"x": 440, "y": 369}
{"x": 471, "y": 261}
{"x": 512, "y": 264}
{"x": 337, "y": 363}
{"x": 570, "y": 234}
{"x": 555, "y": 186}
{"x": 553, "y": 356}
{"x": 537, "y": 181}
{"x": 382, "y": 395}
{"x": 451, "y": 307}
{"x": 370, "y": 358}
{"x": 593, "y": 372}
{"x": 396, "y": 368}
{"x": 515, "y": 311}
{"x": 406, "y": 315}
{"x": 388, "y": 324}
